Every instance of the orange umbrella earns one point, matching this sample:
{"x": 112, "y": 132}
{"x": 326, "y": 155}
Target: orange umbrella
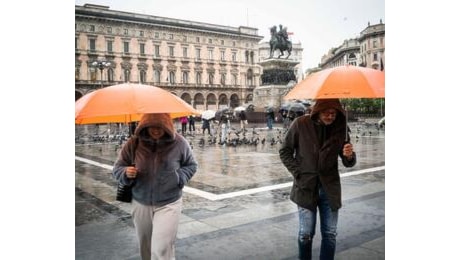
{"x": 126, "y": 103}
{"x": 341, "y": 82}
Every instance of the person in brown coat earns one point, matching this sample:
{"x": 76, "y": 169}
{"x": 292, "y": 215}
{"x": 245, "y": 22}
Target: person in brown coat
{"x": 310, "y": 152}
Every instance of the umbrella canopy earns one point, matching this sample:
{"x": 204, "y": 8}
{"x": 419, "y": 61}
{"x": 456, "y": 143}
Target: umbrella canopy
{"x": 125, "y": 103}
{"x": 208, "y": 114}
{"x": 240, "y": 108}
{"x": 250, "y": 108}
{"x": 223, "y": 110}
{"x": 295, "y": 107}
{"x": 341, "y": 82}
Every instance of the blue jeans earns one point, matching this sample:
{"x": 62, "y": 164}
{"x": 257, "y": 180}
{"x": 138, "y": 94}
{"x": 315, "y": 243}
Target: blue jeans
{"x": 270, "y": 122}
{"x": 307, "y": 226}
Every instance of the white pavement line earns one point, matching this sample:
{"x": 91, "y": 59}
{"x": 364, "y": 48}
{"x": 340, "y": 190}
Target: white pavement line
{"x": 88, "y": 161}
{"x": 214, "y": 197}
{"x": 375, "y": 169}
{"x": 377, "y": 136}
{"x": 201, "y": 193}
{"x": 252, "y": 191}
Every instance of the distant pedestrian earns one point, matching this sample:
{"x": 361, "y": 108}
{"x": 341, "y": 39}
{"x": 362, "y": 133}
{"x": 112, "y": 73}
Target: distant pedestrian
{"x": 310, "y": 152}
{"x": 206, "y": 125}
{"x": 224, "y": 123}
{"x": 284, "y": 115}
{"x": 243, "y": 119}
{"x": 132, "y": 127}
{"x": 270, "y": 116}
{"x": 183, "y": 121}
{"x": 191, "y": 124}
{"x": 158, "y": 163}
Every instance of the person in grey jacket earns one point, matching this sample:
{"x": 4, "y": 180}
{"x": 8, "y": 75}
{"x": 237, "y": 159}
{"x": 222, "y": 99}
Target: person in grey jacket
{"x": 158, "y": 162}
{"x": 313, "y": 144}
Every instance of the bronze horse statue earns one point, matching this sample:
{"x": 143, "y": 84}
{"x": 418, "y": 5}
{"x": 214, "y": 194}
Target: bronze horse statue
{"x": 279, "y": 42}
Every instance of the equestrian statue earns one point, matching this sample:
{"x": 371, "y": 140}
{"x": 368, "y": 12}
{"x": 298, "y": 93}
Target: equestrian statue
{"x": 279, "y": 41}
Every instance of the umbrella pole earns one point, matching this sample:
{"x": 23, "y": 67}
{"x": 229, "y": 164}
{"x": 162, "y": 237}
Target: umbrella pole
{"x": 346, "y": 126}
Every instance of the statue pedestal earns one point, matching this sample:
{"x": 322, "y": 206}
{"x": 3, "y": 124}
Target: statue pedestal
{"x": 278, "y": 78}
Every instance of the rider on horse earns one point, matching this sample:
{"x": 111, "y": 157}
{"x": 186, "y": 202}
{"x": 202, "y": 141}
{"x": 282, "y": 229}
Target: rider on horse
{"x": 279, "y": 41}
{"x": 283, "y": 36}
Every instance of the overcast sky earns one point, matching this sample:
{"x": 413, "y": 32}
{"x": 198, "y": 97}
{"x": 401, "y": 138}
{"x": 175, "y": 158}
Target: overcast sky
{"x": 318, "y": 25}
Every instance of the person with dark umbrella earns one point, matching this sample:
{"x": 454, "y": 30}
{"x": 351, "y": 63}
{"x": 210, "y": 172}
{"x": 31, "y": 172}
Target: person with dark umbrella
{"x": 206, "y": 125}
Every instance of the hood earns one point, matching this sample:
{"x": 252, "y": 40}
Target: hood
{"x": 162, "y": 120}
{"x": 322, "y": 104}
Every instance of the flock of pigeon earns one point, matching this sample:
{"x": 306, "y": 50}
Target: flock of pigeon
{"x": 237, "y": 137}
{"x": 234, "y": 137}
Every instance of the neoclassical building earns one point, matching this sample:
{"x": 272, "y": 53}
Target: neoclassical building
{"x": 372, "y": 40}
{"x": 207, "y": 65}
{"x": 347, "y": 53}
{"x": 367, "y": 50}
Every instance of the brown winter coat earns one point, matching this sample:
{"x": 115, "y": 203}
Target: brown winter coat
{"x": 311, "y": 163}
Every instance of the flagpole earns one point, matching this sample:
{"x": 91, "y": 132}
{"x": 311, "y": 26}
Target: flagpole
{"x": 247, "y": 17}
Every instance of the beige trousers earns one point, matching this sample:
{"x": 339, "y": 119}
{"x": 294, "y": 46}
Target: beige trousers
{"x": 243, "y": 122}
{"x": 156, "y": 229}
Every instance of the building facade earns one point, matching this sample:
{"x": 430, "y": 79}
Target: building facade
{"x": 366, "y": 50}
{"x": 347, "y": 53}
{"x": 206, "y": 65}
{"x": 372, "y": 41}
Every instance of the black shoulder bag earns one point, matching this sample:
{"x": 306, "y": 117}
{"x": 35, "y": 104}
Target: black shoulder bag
{"x": 124, "y": 192}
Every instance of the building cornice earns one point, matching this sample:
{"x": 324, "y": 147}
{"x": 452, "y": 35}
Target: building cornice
{"x": 170, "y": 23}
{"x": 372, "y": 31}
{"x": 340, "y": 51}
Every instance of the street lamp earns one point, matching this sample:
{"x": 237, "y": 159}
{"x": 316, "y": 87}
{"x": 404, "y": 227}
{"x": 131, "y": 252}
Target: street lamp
{"x": 101, "y": 65}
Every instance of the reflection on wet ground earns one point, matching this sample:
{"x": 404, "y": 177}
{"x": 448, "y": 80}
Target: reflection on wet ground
{"x": 224, "y": 168}
{"x": 237, "y": 190}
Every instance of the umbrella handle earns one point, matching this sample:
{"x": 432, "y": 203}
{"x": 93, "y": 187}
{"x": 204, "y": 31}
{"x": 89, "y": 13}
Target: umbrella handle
{"x": 346, "y": 126}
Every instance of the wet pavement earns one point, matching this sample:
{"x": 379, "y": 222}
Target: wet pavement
{"x": 237, "y": 205}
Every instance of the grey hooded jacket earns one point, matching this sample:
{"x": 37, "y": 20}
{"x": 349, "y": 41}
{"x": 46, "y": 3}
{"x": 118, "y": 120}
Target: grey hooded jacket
{"x": 164, "y": 166}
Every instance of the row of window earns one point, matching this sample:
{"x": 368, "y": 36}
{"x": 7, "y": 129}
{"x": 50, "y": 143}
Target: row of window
{"x": 374, "y": 44}
{"x": 249, "y": 56}
{"x": 156, "y": 35}
{"x": 156, "y": 77}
